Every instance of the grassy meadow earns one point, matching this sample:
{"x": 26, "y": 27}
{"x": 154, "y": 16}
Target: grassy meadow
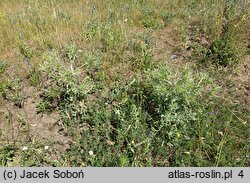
{"x": 135, "y": 83}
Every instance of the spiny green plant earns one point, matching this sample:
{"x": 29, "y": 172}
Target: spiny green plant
{"x": 172, "y": 101}
{"x": 67, "y": 84}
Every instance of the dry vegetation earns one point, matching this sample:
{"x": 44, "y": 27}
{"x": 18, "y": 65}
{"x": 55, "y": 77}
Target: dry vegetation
{"x": 124, "y": 83}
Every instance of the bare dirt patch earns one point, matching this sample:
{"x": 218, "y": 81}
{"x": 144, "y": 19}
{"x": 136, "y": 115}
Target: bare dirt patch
{"x": 24, "y": 125}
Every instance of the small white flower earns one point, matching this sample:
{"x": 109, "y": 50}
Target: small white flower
{"x": 91, "y": 153}
{"x": 25, "y": 148}
{"x": 126, "y": 20}
{"x": 46, "y": 147}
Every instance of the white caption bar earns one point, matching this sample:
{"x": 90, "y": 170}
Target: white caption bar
{"x": 124, "y": 175}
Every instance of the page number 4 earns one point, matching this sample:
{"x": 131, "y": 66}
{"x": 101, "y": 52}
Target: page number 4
{"x": 241, "y": 174}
